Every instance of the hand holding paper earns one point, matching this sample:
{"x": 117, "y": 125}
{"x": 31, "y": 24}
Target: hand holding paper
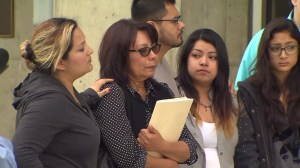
{"x": 150, "y": 139}
{"x": 169, "y": 117}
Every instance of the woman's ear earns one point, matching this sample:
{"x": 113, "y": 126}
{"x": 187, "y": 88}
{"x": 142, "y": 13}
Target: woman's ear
{"x": 61, "y": 65}
{"x": 294, "y": 2}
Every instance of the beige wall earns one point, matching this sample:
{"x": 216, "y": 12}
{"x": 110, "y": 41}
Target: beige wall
{"x": 229, "y": 18}
{"x": 10, "y": 78}
{"x": 94, "y": 17}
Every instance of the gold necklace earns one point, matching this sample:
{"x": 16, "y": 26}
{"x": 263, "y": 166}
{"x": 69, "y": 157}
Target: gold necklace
{"x": 205, "y": 106}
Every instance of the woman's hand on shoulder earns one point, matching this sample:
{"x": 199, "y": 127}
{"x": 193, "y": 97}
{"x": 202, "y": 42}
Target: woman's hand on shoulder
{"x": 98, "y": 84}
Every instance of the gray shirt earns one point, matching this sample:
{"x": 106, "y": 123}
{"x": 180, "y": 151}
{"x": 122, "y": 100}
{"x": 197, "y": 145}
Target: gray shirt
{"x": 52, "y": 129}
{"x": 164, "y": 74}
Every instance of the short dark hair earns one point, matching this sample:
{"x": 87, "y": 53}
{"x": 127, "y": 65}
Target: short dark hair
{"x": 114, "y": 49}
{"x": 145, "y": 10}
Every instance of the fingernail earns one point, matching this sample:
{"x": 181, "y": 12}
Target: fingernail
{"x": 110, "y": 89}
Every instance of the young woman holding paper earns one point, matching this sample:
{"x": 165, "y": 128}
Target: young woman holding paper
{"x": 128, "y": 55}
{"x": 203, "y": 73}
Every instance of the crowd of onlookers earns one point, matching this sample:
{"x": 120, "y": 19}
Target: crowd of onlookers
{"x": 254, "y": 124}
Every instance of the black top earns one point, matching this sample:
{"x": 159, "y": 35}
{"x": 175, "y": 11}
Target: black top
{"x": 253, "y": 148}
{"x": 258, "y": 146}
{"x": 139, "y": 111}
{"x": 52, "y": 129}
{"x": 115, "y": 127}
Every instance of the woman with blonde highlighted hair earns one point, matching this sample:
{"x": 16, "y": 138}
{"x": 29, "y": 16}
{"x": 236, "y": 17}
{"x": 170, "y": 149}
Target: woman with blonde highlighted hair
{"x": 55, "y": 126}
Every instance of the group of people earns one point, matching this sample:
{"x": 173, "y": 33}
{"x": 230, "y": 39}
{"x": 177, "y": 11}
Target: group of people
{"x": 267, "y": 83}
{"x": 108, "y": 124}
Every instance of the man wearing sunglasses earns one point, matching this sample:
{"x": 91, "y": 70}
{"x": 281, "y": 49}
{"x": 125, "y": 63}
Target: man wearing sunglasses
{"x": 164, "y": 16}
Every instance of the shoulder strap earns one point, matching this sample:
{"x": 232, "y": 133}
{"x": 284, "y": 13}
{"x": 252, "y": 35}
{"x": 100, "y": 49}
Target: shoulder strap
{"x": 135, "y": 111}
{"x": 162, "y": 93}
{"x": 128, "y": 104}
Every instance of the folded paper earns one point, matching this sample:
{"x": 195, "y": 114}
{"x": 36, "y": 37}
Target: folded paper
{"x": 169, "y": 117}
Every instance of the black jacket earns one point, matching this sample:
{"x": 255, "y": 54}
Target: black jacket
{"x": 254, "y": 146}
{"x": 52, "y": 129}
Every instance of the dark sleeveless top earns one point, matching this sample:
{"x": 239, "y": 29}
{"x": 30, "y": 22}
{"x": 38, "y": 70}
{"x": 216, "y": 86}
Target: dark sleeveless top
{"x": 136, "y": 108}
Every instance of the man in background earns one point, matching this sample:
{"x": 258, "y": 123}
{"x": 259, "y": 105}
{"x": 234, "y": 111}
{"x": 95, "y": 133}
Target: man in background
{"x": 164, "y": 16}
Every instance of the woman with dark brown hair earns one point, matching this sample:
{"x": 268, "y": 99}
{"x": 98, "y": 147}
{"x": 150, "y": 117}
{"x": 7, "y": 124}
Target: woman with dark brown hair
{"x": 128, "y": 55}
{"x": 203, "y": 73}
{"x": 269, "y": 121}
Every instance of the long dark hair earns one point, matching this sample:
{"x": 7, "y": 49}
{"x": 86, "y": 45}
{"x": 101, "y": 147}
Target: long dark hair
{"x": 224, "y": 109}
{"x": 268, "y": 85}
{"x": 114, "y": 48}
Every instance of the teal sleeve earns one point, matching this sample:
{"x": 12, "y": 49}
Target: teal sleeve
{"x": 249, "y": 59}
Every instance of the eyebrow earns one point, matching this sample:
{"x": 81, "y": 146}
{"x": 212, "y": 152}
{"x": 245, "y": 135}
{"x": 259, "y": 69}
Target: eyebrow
{"x": 202, "y": 51}
{"x": 82, "y": 43}
{"x": 143, "y": 45}
{"x": 290, "y": 42}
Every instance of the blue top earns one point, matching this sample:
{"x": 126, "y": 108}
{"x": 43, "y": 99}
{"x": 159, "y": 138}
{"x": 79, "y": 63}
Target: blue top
{"x": 249, "y": 58}
{"x": 7, "y": 159}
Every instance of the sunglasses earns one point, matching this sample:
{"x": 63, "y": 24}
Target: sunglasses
{"x": 146, "y": 50}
